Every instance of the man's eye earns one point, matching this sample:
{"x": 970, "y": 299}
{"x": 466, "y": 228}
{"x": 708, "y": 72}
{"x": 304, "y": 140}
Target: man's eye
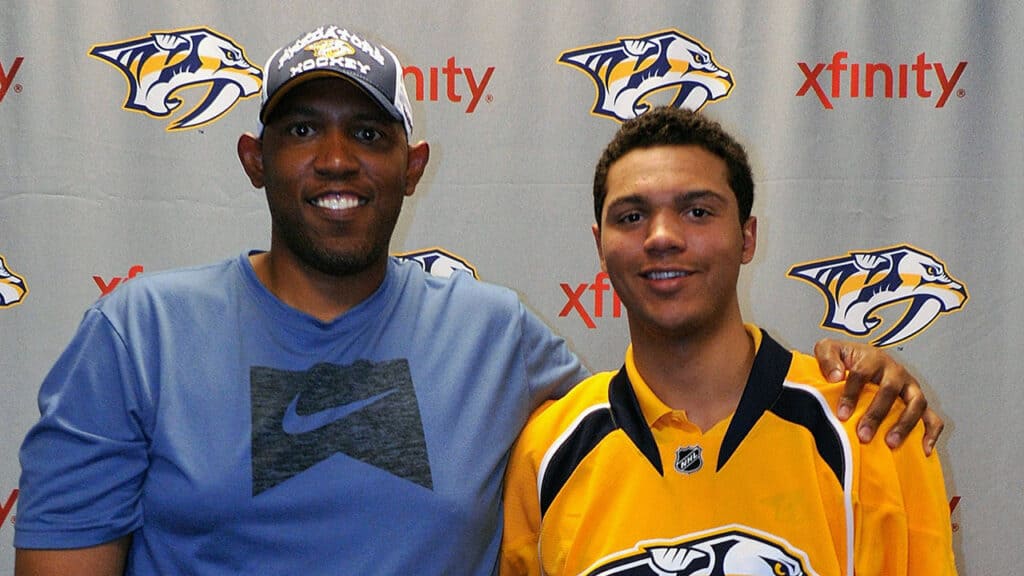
{"x": 630, "y": 217}
{"x": 699, "y": 212}
{"x": 368, "y": 134}
{"x": 300, "y": 130}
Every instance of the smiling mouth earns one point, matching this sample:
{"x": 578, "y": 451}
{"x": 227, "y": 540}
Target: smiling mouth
{"x": 667, "y": 275}
{"x": 337, "y": 201}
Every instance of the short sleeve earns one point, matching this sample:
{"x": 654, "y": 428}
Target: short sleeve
{"x": 84, "y": 461}
{"x": 552, "y": 367}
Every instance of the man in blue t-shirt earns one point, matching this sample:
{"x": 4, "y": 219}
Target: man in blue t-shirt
{"x": 319, "y": 407}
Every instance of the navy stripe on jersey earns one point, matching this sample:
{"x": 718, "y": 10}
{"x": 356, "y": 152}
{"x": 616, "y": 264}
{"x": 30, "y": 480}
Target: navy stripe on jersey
{"x": 587, "y": 435}
{"x": 802, "y": 408}
{"x": 625, "y": 414}
{"x": 765, "y": 392}
{"x": 763, "y": 389}
{"x": 629, "y": 417}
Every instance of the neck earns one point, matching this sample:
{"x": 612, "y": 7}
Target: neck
{"x": 703, "y": 373}
{"x": 323, "y": 296}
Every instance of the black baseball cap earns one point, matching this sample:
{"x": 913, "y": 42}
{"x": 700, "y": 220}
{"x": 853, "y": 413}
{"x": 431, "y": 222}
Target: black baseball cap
{"x": 334, "y": 51}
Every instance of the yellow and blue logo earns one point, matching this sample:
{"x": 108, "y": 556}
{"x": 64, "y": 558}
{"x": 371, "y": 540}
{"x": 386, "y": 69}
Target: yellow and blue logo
{"x": 629, "y": 71}
{"x": 732, "y": 549}
{"x": 860, "y": 284}
{"x": 160, "y": 66}
{"x": 439, "y": 262}
{"x": 13, "y": 289}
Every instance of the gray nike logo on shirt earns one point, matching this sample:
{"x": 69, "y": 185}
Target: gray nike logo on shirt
{"x": 366, "y": 411}
{"x": 295, "y": 423}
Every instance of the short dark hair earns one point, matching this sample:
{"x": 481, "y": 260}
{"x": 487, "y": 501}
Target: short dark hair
{"x": 670, "y": 126}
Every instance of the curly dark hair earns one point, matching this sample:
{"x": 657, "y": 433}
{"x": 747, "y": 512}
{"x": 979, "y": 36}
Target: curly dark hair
{"x": 670, "y": 126}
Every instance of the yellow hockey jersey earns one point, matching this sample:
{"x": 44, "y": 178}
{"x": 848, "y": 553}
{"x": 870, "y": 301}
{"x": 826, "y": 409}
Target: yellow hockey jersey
{"x": 609, "y": 480}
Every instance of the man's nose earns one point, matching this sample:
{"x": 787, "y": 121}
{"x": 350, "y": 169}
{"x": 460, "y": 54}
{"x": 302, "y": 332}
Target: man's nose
{"x": 335, "y": 153}
{"x": 665, "y": 232}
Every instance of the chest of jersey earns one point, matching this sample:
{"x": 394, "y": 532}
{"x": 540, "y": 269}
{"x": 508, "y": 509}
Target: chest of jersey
{"x": 774, "y": 507}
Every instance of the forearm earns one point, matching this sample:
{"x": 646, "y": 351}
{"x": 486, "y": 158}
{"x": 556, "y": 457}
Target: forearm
{"x": 106, "y": 559}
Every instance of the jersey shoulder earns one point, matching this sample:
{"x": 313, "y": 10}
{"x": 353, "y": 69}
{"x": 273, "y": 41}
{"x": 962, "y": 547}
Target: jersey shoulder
{"x": 556, "y": 417}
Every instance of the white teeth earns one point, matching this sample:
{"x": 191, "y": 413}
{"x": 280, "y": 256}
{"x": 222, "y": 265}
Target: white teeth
{"x": 336, "y": 202}
{"x": 665, "y": 275}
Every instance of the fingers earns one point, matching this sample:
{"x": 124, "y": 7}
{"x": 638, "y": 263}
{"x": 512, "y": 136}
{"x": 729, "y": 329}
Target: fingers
{"x": 831, "y": 357}
{"x": 916, "y": 409}
{"x": 848, "y": 401}
{"x": 916, "y": 404}
{"x": 863, "y": 363}
{"x": 877, "y": 411}
{"x": 933, "y": 426}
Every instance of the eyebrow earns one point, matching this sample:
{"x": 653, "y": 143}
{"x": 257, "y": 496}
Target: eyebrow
{"x": 301, "y": 110}
{"x": 682, "y": 198}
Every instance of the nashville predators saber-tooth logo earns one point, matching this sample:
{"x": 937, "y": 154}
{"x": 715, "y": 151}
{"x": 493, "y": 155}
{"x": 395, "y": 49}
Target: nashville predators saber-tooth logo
{"x": 732, "y": 550}
{"x": 857, "y": 285}
{"x": 629, "y": 70}
{"x": 13, "y": 289}
{"x": 159, "y": 66}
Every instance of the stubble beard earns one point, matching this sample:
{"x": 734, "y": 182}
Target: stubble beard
{"x": 350, "y": 262}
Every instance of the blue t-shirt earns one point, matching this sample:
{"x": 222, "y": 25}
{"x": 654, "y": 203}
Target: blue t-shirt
{"x": 233, "y": 434}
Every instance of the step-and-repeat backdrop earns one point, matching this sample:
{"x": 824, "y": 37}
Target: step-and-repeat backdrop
{"x": 887, "y": 140}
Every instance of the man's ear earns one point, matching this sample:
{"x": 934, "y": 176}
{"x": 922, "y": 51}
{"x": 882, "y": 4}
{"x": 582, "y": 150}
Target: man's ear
{"x": 250, "y": 153}
{"x": 597, "y": 241}
{"x": 749, "y": 239}
{"x": 419, "y": 155}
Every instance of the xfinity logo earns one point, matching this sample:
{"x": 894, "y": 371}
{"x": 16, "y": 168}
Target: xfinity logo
{"x": 578, "y": 303}
{"x": 7, "y": 76}
{"x": 7, "y": 507}
{"x": 427, "y": 83}
{"x": 920, "y": 78}
{"x": 106, "y": 287}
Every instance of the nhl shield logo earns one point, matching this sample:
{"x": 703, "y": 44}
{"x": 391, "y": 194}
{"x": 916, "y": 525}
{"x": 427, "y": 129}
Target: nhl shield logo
{"x": 689, "y": 459}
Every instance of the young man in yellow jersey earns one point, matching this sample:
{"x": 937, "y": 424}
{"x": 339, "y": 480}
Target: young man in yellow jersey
{"x": 714, "y": 450}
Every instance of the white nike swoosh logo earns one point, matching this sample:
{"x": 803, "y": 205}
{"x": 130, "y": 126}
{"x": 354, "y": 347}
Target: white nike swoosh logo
{"x": 294, "y": 423}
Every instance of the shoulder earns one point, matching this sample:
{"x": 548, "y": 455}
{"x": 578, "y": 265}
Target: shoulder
{"x": 804, "y": 372}
{"x": 805, "y": 380}
{"x": 174, "y": 291}
{"x": 188, "y": 279}
{"x": 557, "y": 417}
{"x": 457, "y": 293}
{"x": 415, "y": 271}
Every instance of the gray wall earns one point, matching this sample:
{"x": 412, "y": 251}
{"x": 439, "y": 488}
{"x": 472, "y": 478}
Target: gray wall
{"x": 90, "y": 189}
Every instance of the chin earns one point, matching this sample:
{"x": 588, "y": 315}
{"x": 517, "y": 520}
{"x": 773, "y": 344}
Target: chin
{"x": 678, "y": 325}
{"x": 343, "y": 263}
